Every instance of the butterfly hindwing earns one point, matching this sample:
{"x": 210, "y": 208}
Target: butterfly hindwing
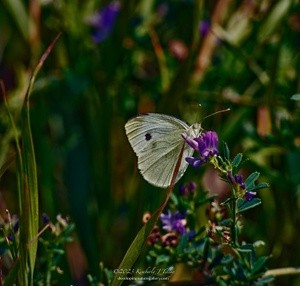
{"x": 157, "y": 163}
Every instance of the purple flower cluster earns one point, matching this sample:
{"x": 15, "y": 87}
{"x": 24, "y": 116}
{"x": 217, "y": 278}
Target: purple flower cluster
{"x": 174, "y": 222}
{"x": 103, "y": 21}
{"x": 238, "y": 181}
{"x": 206, "y": 145}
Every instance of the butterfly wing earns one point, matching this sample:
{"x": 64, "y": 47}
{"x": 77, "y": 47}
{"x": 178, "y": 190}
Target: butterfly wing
{"x": 156, "y": 139}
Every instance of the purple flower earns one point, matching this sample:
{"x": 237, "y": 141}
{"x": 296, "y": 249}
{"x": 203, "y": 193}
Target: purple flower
{"x": 237, "y": 180}
{"x": 206, "y": 145}
{"x": 16, "y": 226}
{"x": 103, "y": 21}
{"x": 46, "y": 218}
{"x": 173, "y": 222}
{"x": 191, "y": 234}
{"x": 11, "y": 236}
{"x": 204, "y": 28}
{"x": 249, "y": 196}
{"x": 187, "y": 189}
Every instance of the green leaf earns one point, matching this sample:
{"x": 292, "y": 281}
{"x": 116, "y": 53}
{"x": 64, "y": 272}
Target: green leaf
{"x": 227, "y": 201}
{"x": 258, "y": 187}
{"x": 204, "y": 247}
{"x": 266, "y": 280}
{"x": 29, "y": 199}
{"x": 295, "y": 96}
{"x": 20, "y": 15}
{"x": 237, "y": 160}
{"x": 183, "y": 243}
{"x": 162, "y": 259}
{"x": 259, "y": 265}
{"x": 174, "y": 199}
{"x": 251, "y": 179}
{"x": 247, "y": 248}
{"x": 243, "y": 205}
{"x": 226, "y": 259}
{"x": 12, "y": 275}
{"x": 226, "y": 151}
{"x": 28, "y": 187}
{"x": 273, "y": 19}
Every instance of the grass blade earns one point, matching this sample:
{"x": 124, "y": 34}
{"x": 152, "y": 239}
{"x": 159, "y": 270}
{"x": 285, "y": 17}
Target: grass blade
{"x": 27, "y": 185}
{"x": 30, "y": 200}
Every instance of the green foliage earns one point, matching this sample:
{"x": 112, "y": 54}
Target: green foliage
{"x": 215, "y": 249}
{"x": 51, "y": 250}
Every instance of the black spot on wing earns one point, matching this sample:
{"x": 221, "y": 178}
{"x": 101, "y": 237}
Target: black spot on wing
{"x": 148, "y": 136}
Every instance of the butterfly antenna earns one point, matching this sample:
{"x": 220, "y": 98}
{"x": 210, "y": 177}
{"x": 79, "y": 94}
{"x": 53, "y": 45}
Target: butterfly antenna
{"x": 217, "y": 112}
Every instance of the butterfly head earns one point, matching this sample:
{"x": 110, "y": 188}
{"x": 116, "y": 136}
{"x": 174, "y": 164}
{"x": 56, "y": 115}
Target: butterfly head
{"x": 194, "y": 130}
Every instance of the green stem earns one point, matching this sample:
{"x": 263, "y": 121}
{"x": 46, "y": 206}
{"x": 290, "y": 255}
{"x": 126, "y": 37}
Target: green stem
{"x": 48, "y": 274}
{"x": 234, "y": 227}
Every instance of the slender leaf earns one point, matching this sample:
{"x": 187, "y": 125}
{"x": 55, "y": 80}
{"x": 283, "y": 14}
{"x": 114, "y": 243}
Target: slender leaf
{"x": 251, "y": 179}
{"x": 28, "y": 184}
{"x": 20, "y": 15}
{"x": 266, "y": 280}
{"x": 226, "y": 151}
{"x": 259, "y": 264}
{"x": 257, "y": 187}
{"x": 243, "y": 205}
{"x": 227, "y": 201}
{"x": 296, "y": 96}
{"x": 237, "y": 160}
{"x": 30, "y": 214}
{"x": 11, "y": 277}
{"x": 274, "y": 18}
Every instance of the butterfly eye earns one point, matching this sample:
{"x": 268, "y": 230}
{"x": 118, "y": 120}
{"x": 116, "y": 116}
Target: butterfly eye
{"x": 148, "y": 136}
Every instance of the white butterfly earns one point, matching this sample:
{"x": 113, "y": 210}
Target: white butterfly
{"x": 157, "y": 141}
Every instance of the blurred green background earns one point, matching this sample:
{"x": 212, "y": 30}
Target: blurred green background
{"x": 117, "y": 59}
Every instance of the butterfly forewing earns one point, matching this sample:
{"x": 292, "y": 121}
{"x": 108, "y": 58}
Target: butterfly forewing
{"x": 157, "y": 141}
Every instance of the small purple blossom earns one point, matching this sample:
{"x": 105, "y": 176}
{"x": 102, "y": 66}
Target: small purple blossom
{"x": 249, "y": 196}
{"x": 16, "y": 226}
{"x": 239, "y": 179}
{"x": 103, "y": 21}
{"x": 187, "y": 189}
{"x": 46, "y": 218}
{"x": 206, "y": 145}
{"x": 191, "y": 235}
{"x": 173, "y": 222}
{"x": 204, "y": 27}
{"x": 10, "y": 236}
